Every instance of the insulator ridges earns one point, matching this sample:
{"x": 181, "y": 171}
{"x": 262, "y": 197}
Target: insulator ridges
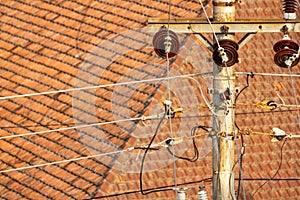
{"x": 285, "y": 49}
{"x": 283, "y": 55}
{"x": 289, "y": 8}
{"x": 202, "y": 195}
{"x": 164, "y": 39}
{"x": 286, "y": 44}
{"x": 230, "y": 47}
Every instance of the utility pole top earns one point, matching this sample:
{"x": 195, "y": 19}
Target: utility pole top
{"x": 224, "y": 48}
{"x": 196, "y": 26}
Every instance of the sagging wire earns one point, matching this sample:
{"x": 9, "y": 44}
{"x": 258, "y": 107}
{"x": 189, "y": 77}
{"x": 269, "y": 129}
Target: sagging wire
{"x": 240, "y": 92}
{"x": 271, "y": 178}
{"x": 146, "y": 151}
{"x": 193, "y": 136}
{"x": 167, "y": 45}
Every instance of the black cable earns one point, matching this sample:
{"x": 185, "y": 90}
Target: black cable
{"x": 157, "y": 189}
{"x": 241, "y": 165}
{"x": 274, "y": 179}
{"x": 270, "y": 179}
{"x": 240, "y": 160}
{"x": 237, "y": 96}
{"x": 146, "y": 151}
{"x": 196, "y": 152}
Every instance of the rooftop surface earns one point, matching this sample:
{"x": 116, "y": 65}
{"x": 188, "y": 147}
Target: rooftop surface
{"x": 78, "y": 141}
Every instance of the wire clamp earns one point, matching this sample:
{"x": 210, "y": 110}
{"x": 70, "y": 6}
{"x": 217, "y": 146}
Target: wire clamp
{"x": 223, "y": 55}
{"x": 266, "y": 105}
{"x": 278, "y": 134}
{"x": 173, "y": 141}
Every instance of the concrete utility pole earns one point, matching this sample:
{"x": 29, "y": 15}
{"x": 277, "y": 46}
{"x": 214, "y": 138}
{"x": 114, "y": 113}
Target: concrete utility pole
{"x": 225, "y": 25}
{"x": 223, "y": 121}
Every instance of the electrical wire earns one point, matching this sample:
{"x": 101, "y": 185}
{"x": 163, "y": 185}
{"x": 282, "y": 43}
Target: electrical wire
{"x": 157, "y": 189}
{"x": 169, "y": 98}
{"x": 151, "y": 147}
{"x": 62, "y": 161}
{"x": 242, "y": 90}
{"x": 69, "y": 128}
{"x": 270, "y": 179}
{"x": 102, "y": 86}
{"x": 240, "y": 160}
{"x": 208, "y": 20}
{"x": 295, "y": 95}
{"x": 145, "y": 154}
{"x": 196, "y": 151}
{"x": 211, "y": 108}
{"x": 266, "y": 74}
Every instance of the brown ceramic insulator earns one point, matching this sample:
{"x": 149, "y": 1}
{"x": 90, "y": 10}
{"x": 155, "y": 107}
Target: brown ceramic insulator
{"x": 284, "y": 54}
{"x": 289, "y": 6}
{"x": 230, "y": 48}
{"x": 159, "y": 43}
{"x": 286, "y": 44}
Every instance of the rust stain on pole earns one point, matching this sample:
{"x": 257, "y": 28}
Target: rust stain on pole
{"x": 223, "y": 149}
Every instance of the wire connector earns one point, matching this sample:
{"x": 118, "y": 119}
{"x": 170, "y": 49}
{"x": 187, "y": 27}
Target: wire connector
{"x": 174, "y": 141}
{"x": 291, "y": 59}
{"x": 266, "y": 105}
{"x": 223, "y": 55}
{"x": 167, "y": 103}
{"x": 278, "y": 135}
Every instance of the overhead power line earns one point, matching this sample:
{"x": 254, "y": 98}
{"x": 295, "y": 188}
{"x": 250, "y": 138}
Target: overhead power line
{"x": 62, "y": 161}
{"x": 102, "y": 86}
{"x": 267, "y": 74}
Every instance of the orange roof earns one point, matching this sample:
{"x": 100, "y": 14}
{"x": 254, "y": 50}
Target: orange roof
{"x": 60, "y": 45}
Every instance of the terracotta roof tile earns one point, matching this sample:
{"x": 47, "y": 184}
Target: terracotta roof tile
{"x": 43, "y": 49}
